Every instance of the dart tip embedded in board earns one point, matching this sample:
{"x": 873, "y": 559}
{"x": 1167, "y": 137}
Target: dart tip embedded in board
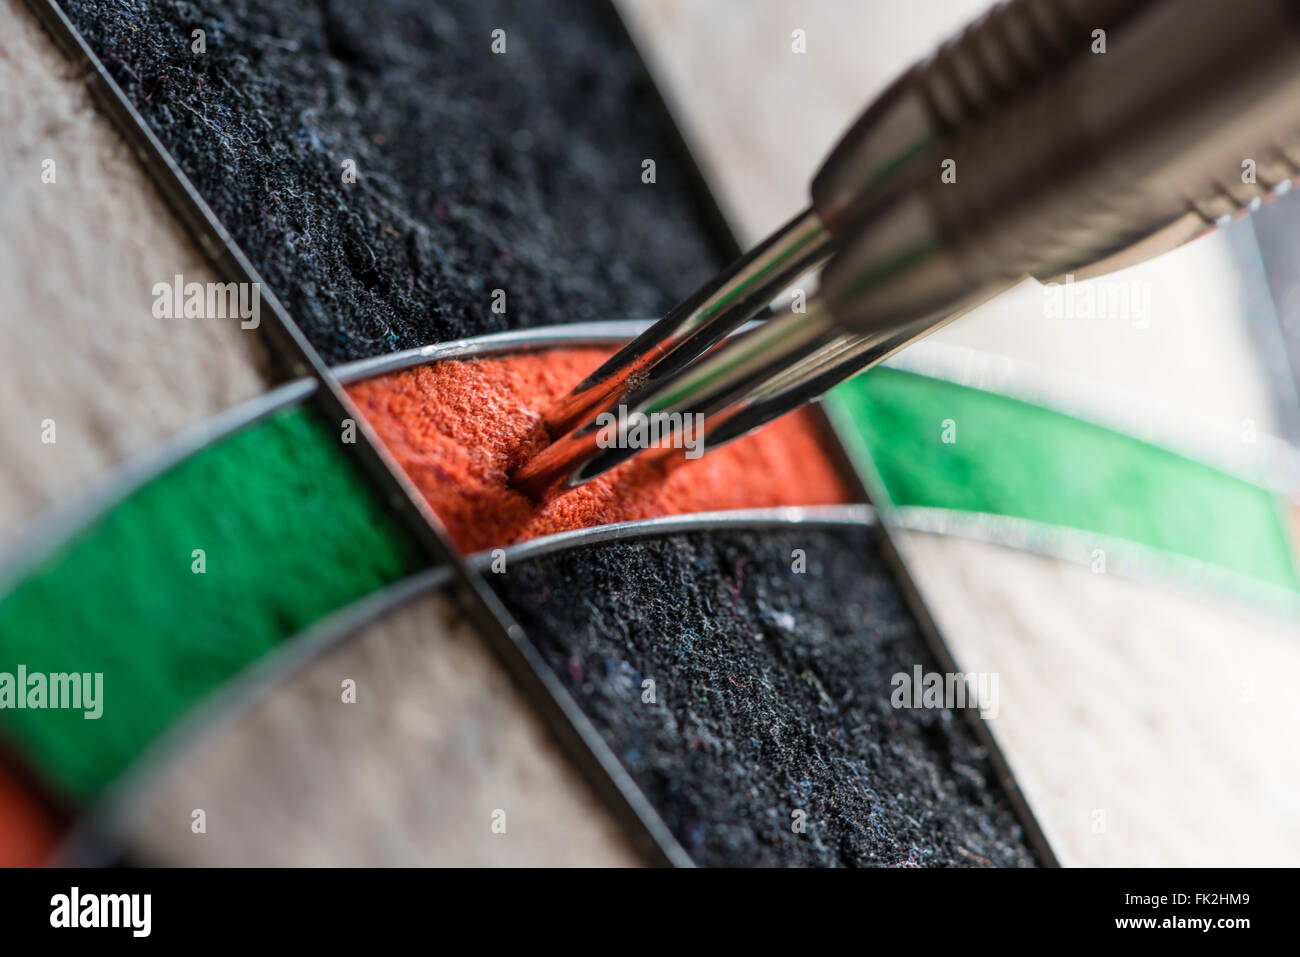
{"x": 543, "y": 474}
{"x": 540, "y": 480}
{"x": 605, "y": 444}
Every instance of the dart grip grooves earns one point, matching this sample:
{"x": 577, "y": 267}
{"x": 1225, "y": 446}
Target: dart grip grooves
{"x": 1133, "y": 150}
{"x": 1008, "y": 49}
{"x": 1120, "y": 154}
{"x": 1006, "y": 54}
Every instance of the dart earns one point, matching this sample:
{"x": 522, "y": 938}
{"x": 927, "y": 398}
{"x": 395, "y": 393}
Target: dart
{"x": 934, "y": 216}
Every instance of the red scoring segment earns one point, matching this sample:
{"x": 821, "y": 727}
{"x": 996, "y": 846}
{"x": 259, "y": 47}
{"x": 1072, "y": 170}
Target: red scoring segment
{"x": 458, "y": 427}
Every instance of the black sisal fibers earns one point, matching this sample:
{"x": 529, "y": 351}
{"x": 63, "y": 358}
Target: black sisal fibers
{"x": 476, "y": 171}
{"x": 772, "y": 695}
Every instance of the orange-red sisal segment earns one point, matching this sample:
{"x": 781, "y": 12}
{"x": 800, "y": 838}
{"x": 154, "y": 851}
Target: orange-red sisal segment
{"x": 458, "y": 427}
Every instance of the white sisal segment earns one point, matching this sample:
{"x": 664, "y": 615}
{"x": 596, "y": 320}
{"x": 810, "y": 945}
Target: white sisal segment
{"x": 78, "y": 261}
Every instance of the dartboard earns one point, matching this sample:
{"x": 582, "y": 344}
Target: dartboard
{"x": 289, "y": 291}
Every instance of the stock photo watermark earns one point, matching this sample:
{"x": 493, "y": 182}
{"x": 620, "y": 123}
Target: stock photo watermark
{"x": 952, "y": 690}
{"x": 1101, "y": 298}
{"x": 211, "y": 300}
{"x": 639, "y": 430}
{"x": 76, "y": 909}
{"x": 76, "y": 690}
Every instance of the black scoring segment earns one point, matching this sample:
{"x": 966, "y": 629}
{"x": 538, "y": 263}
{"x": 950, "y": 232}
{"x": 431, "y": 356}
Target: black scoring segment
{"x": 743, "y": 677}
{"x": 471, "y": 171}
